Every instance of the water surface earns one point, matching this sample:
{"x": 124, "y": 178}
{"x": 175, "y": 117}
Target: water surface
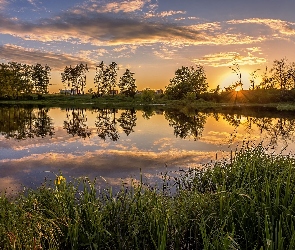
{"x": 115, "y": 146}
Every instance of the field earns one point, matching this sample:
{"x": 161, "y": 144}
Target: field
{"x": 246, "y": 202}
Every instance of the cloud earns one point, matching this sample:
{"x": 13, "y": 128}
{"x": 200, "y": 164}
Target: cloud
{"x": 283, "y": 27}
{"x": 10, "y": 52}
{"x": 3, "y": 4}
{"x": 223, "y": 59}
{"x": 84, "y": 28}
{"x": 164, "y": 13}
{"x": 111, "y": 7}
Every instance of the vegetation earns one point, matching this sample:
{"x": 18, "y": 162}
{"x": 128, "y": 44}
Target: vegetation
{"x": 75, "y": 78}
{"x": 188, "y": 87}
{"x": 187, "y": 80}
{"x": 244, "y": 203}
{"x": 127, "y": 84}
{"x": 18, "y": 81}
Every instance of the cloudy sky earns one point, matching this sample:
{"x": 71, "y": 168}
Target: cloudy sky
{"x": 152, "y": 38}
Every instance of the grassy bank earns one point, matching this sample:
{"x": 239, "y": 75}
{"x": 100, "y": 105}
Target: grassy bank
{"x": 119, "y": 101}
{"x": 246, "y": 204}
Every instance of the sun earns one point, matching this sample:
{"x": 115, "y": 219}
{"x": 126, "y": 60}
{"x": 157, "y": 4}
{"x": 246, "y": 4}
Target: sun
{"x": 231, "y": 78}
{"x": 238, "y": 88}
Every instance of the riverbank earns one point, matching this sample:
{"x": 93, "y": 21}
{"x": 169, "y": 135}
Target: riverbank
{"x": 246, "y": 203}
{"x": 86, "y": 101}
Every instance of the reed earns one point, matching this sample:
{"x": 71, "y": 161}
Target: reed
{"x": 244, "y": 204}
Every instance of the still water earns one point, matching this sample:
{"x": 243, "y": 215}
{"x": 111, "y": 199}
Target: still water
{"x": 115, "y": 146}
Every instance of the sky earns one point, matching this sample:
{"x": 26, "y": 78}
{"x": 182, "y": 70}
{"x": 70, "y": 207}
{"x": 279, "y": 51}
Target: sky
{"x": 152, "y": 38}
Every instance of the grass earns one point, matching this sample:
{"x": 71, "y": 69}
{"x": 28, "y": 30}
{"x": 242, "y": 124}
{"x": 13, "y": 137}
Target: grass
{"x": 248, "y": 203}
{"x": 119, "y": 101}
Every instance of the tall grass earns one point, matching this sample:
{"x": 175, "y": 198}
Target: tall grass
{"x": 244, "y": 204}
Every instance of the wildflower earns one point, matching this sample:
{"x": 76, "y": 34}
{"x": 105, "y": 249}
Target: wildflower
{"x": 59, "y": 179}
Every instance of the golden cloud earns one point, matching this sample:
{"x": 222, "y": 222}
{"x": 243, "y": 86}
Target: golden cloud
{"x": 223, "y": 59}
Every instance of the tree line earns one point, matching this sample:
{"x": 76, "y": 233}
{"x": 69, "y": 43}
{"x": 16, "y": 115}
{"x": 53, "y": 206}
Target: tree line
{"x": 105, "y": 80}
{"x": 18, "y": 80}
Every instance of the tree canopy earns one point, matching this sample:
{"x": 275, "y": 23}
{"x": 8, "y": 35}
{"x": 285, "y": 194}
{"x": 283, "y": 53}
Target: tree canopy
{"x": 187, "y": 80}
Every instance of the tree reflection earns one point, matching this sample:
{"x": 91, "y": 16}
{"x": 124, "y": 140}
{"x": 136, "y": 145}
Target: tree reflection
{"x": 187, "y": 125}
{"x": 281, "y": 128}
{"x": 274, "y": 128}
{"x": 233, "y": 119}
{"x": 128, "y": 120}
{"x": 25, "y": 122}
{"x": 148, "y": 112}
{"x": 106, "y": 124}
{"x": 76, "y": 123}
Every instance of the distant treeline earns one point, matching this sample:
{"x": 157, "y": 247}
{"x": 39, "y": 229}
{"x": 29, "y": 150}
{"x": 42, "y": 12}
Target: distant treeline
{"x": 189, "y": 83}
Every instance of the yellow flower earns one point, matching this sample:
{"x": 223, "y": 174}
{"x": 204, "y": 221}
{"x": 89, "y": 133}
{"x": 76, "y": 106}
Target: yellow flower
{"x": 59, "y": 179}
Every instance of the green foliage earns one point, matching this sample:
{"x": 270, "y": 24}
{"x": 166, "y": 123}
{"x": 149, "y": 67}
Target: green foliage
{"x": 187, "y": 80}
{"x": 75, "y": 78}
{"x": 246, "y": 202}
{"x": 105, "y": 79}
{"x": 148, "y": 95}
{"x": 40, "y": 78}
{"x": 127, "y": 84}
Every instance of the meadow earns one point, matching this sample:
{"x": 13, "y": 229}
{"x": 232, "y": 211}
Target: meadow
{"x": 246, "y": 202}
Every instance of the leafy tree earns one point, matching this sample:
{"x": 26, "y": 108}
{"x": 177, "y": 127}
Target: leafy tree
{"x": 105, "y": 79}
{"x": 147, "y": 95}
{"x": 100, "y": 79}
{"x": 291, "y": 75}
{"x": 40, "y": 78}
{"x": 75, "y": 78}
{"x": 267, "y": 81}
{"x": 112, "y": 76}
{"x": 127, "y": 84}
{"x": 187, "y": 79}
{"x": 280, "y": 73}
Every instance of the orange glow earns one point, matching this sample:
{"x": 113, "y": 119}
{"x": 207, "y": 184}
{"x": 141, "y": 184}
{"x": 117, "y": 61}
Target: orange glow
{"x": 238, "y": 88}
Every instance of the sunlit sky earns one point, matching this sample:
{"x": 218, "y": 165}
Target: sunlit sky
{"x": 152, "y": 38}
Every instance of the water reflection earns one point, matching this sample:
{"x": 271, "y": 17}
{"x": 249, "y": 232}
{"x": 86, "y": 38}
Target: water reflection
{"x": 127, "y": 121}
{"x": 277, "y": 129}
{"x": 106, "y": 124}
{"x": 22, "y": 123}
{"x": 75, "y": 123}
{"x": 116, "y": 143}
{"x": 187, "y": 125}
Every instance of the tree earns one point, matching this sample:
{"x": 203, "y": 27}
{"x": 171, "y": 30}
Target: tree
{"x": 105, "y": 79}
{"x": 75, "y": 78}
{"x": 127, "y": 84}
{"x": 291, "y": 75}
{"x": 267, "y": 81}
{"x": 40, "y": 78}
{"x": 112, "y": 76}
{"x": 187, "y": 79}
{"x": 236, "y": 70}
{"x": 100, "y": 79}
{"x": 147, "y": 95}
{"x": 280, "y": 73}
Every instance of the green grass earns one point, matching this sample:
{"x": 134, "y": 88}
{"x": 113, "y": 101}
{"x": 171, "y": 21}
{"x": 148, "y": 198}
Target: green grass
{"x": 246, "y": 204}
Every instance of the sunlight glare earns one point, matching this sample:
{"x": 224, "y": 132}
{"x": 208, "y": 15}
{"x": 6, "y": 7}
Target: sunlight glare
{"x": 238, "y": 88}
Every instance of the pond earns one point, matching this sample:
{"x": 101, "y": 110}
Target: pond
{"x": 117, "y": 146}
